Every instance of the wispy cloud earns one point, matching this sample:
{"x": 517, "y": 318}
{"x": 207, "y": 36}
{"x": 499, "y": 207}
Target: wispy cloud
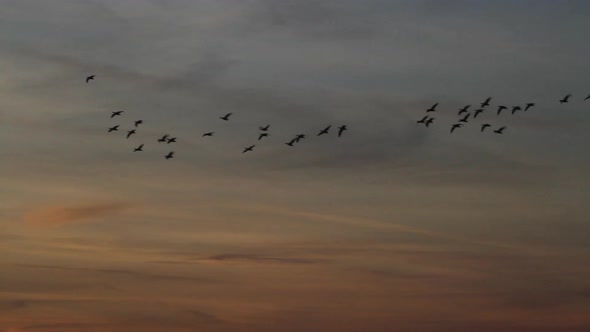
{"x": 65, "y": 214}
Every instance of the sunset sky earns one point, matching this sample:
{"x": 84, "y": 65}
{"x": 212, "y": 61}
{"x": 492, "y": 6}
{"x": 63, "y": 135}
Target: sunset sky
{"x": 391, "y": 227}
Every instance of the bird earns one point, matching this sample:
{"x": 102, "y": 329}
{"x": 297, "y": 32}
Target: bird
{"x": 208, "y": 134}
{"x": 432, "y": 108}
{"x": 130, "y": 132}
{"x": 265, "y": 128}
{"x": 262, "y": 135}
{"x": 225, "y": 117}
{"x": 88, "y": 78}
{"x": 114, "y": 128}
{"x": 484, "y": 126}
{"x": 455, "y": 126}
{"x": 529, "y": 105}
{"x": 500, "y": 108}
{"x": 171, "y": 140}
{"x": 486, "y": 102}
{"x": 476, "y": 112}
{"x": 341, "y": 129}
{"x": 290, "y": 143}
{"x": 138, "y": 122}
{"x": 170, "y": 155}
{"x": 163, "y": 139}
{"x": 565, "y": 99}
{"x": 248, "y": 148}
{"x": 114, "y": 114}
{"x": 325, "y": 130}
{"x": 429, "y": 122}
{"x": 139, "y": 148}
{"x": 423, "y": 120}
{"x": 464, "y": 109}
{"x": 587, "y": 98}
{"x": 464, "y": 119}
{"x": 516, "y": 108}
{"x": 299, "y": 137}
{"x": 500, "y": 130}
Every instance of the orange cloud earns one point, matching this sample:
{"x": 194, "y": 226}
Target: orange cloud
{"x": 60, "y": 215}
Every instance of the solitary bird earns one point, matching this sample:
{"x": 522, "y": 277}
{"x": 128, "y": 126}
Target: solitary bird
{"x": 225, "y": 117}
{"x": 464, "y": 119}
{"x": 429, "y": 122}
{"x": 171, "y": 140}
{"x": 529, "y": 105}
{"x": 486, "y": 102}
{"x": 248, "y": 148}
{"x": 170, "y": 155}
{"x": 138, "y": 122}
{"x": 455, "y": 126}
{"x": 484, "y": 126}
{"x": 299, "y": 137}
{"x": 423, "y": 120}
{"x": 208, "y": 134}
{"x": 88, "y": 78}
{"x": 325, "y": 130}
{"x": 163, "y": 139}
{"x": 500, "y": 130}
{"x": 476, "y": 112}
{"x": 114, "y": 128}
{"x": 139, "y": 148}
{"x": 587, "y": 98}
{"x": 516, "y": 108}
{"x": 565, "y": 99}
{"x": 130, "y": 132}
{"x": 114, "y": 114}
{"x": 265, "y": 128}
{"x": 432, "y": 108}
{"x": 341, "y": 129}
{"x": 262, "y": 135}
{"x": 291, "y": 142}
{"x": 464, "y": 109}
{"x": 500, "y": 108}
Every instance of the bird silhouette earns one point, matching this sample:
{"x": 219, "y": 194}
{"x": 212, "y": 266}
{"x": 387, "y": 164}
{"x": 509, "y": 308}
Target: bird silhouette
{"x": 587, "y": 98}
{"x": 208, "y": 134}
{"x": 130, "y": 132}
{"x": 565, "y": 99}
{"x": 464, "y": 109}
{"x": 225, "y": 117}
{"x": 477, "y": 112}
{"x": 114, "y": 114}
{"x": 455, "y": 126}
{"x": 171, "y": 140}
{"x": 138, "y": 122}
{"x": 529, "y": 105}
{"x": 291, "y": 142}
{"x": 423, "y": 120}
{"x": 139, "y": 148}
{"x": 429, "y": 122}
{"x": 170, "y": 155}
{"x": 486, "y": 102}
{"x": 464, "y": 119}
{"x": 163, "y": 139}
{"x": 88, "y": 78}
{"x": 484, "y": 126}
{"x": 432, "y": 108}
{"x": 516, "y": 108}
{"x": 500, "y": 108}
{"x": 248, "y": 148}
{"x": 341, "y": 129}
{"x": 262, "y": 135}
{"x": 299, "y": 137}
{"x": 265, "y": 128}
{"x": 500, "y": 130}
{"x": 325, "y": 130}
{"x": 114, "y": 128}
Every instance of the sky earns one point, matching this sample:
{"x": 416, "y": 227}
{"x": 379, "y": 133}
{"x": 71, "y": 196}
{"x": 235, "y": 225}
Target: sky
{"x": 391, "y": 227}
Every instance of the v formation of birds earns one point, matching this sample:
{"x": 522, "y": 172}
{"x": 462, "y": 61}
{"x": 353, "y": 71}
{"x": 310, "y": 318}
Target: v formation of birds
{"x": 167, "y": 139}
{"x": 464, "y": 114}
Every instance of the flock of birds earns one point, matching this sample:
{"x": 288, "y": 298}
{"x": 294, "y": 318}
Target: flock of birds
{"x": 427, "y": 120}
{"x": 167, "y": 139}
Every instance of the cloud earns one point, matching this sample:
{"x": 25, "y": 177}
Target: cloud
{"x": 61, "y": 215}
{"x": 252, "y": 258}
